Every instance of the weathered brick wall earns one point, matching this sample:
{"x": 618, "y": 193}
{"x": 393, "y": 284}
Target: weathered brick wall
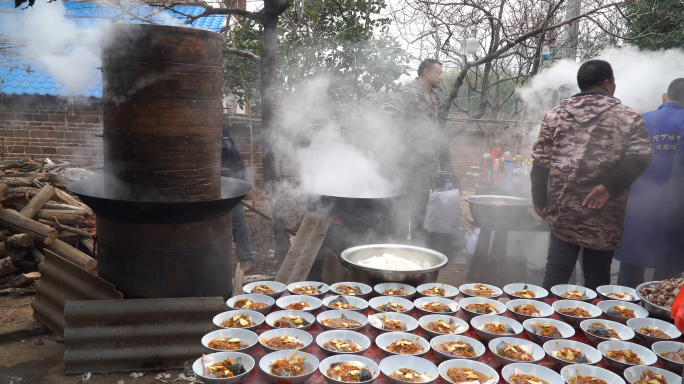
{"x": 48, "y": 126}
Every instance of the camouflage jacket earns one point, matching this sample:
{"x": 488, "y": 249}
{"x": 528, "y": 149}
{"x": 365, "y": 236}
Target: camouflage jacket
{"x": 582, "y": 141}
{"x": 418, "y": 121}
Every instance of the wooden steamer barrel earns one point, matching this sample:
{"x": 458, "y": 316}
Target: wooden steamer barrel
{"x": 162, "y": 96}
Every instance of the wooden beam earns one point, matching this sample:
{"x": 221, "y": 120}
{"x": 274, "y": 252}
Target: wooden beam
{"x": 304, "y": 249}
{"x": 67, "y": 198}
{"x": 72, "y": 254}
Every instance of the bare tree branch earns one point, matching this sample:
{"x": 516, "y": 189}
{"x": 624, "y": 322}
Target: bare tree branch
{"x": 241, "y": 53}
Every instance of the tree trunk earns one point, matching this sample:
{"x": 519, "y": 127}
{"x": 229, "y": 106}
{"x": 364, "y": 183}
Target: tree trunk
{"x": 17, "y": 223}
{"x": 77, "y": 218}
{"x": 21, "y": 240}
{"x": 271, "y": 176}
{"x": 72, "y": 254}
{"x": 37, "y": 203}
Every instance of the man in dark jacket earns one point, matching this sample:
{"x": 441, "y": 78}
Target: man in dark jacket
{"x": 649, "y": 226}
{"x": 415, "y": 108}
{"x": 231, "y": 161}
{"x": 590, "y": 149}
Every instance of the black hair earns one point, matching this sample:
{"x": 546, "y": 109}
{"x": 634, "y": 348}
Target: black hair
{"x": 427, "y": 64}
{"x": 675, "y": 91}
{"x": 593, "y": 74}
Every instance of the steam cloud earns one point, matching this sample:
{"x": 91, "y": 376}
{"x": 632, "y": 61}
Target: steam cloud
{"x": 641, "y": 77}
{"x": 332, "y": 159}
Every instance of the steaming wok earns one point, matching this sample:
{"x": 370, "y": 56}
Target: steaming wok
{"x": 493, "y": 211}
{"x": 91, "y": 192}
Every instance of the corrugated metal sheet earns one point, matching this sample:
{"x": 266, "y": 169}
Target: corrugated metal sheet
{"x": 134, "y": 335}
{"x": 62, "y": 281}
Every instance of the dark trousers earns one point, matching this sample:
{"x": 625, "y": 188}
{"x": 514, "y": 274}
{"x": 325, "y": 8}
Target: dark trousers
{"x": 563, "y": 257}
{"x": 631, "y": 275}
{"x": 413, "y": 205}
{"x": 243, "y": 243}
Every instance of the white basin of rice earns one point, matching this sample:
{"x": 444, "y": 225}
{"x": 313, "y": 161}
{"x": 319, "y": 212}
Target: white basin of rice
{"x": 392, "y": 262}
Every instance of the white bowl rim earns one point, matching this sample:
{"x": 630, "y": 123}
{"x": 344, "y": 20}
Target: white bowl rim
{"x": 380, "y": 365}
{"x": 463, "y": 363}
{"x": 536, "y": 287}
{"x": 625, "y": 303}
{"x": 511, "y": 303}
{"x": 498, "y": 291}
{"x": 613, "y": 324}
{"x": 512, "y": 322}
{"x": 255, "y": 283}
{"x": 604, "y": 371}
{"x": 631, "y": 345}
{"x": 336, "y": 358}
{"x": 586, "y": 290}
{"x": 528, "y": 365}
{"x": 287, "y": 351}
{"x": 254, "y": 364}
{"x": 360, "y": 286}
{"x": 655, "y": 370}
{"x": 586, "y": 305}
{"x": 518, "y": 341}
{"x": 405, "y": 334}
{"x": 552, "y": 322}
{"x": 326, "y": 300}
{"x": 328, "y": 332}
{"x": 577, "y": 344}
{"x": 382, "y": 293}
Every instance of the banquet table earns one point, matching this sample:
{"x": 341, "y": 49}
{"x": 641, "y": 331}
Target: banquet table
{"x": 376, "y": 354}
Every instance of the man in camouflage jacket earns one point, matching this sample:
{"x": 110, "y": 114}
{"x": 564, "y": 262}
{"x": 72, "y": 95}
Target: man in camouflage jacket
{"x": 590, "y": 149}
{"x": 414, "y": 109}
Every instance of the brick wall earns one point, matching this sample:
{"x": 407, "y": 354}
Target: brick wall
{"x": 48, "y": 126}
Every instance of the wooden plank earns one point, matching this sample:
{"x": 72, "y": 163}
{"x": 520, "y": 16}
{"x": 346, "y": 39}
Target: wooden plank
{"x": 238, "y": 281}
{"x": 17, "y": 223}
{"x": 304, "y": 249}
{"x": 37, "y": 203}
{"x": 67, "y": 198}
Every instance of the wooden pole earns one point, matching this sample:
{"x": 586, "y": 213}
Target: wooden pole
{"x": 37, "y": 203}
{"x": 304, "y": 250}
{"x": 65, "y": 197}
{"x": 77, "y": 218}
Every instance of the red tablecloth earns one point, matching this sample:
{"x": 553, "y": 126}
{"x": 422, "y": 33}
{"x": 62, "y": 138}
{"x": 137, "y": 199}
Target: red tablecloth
{"x": 374, "y": 353}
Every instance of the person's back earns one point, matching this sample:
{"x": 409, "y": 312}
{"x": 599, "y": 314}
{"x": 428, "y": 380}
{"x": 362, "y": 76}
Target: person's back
{"x": 590, "y": 149}
{"x": 652, "y": 230}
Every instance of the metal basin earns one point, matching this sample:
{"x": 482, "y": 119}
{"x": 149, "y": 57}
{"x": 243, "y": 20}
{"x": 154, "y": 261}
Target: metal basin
{"x": 372, "y": 276}
{"x": 507, "y": 215}
{"x": 654, "y": 310}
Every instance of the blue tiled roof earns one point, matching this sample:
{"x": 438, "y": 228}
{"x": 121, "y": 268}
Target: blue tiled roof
{"x": 40, "y": 82}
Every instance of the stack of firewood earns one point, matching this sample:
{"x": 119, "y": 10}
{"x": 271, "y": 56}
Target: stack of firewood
{"x": 37, "y": 214}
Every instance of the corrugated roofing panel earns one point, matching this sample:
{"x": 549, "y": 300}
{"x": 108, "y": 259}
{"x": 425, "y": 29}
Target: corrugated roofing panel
{"x": 62, "y": 282}
{"x": 134, "y": 335}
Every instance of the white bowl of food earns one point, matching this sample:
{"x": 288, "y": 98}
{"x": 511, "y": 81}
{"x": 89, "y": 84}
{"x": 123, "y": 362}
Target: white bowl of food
{"x": 648, "y": 330}
{"x": 214, "y": 368}
{"x": 273, "y": 289}
{"x": 523, "y": 373}
{"x": 281, "y": 366}
{"x": 347, "y": 303}
{"x": 437, "y": 289}
{"x": 490, "y": 327}
{"x": 249, "y": 320}
{"x": 251, "y": 302}
{"x": 621, "y": 311}
{"x": 233, "y": 340}
{"x": 366, "y": 369}
{"x": 598, "y": 331}
{"x": 645, "y": 374}
{"x": 436, "y": 325}
{"x": 390, "y": 304}
{"x": 670, "y": 354}
{"x": 618, "y": 292}
{"x": 621, "y": 355}
{"x": 525, "y": 291}
{"x": 350, "y": 320}
{"x": 275, "y": 340}
{"x": 392, "y": 322}
{"x": 523, "y": 309}
{"x": 303, "y": 303}
{"x": 408, "y": 369}
{"x": 575, "y": 312}
{"x": 351, "y": 289}
{"x": 573, "y": 292}
{"x": 431, "y": 305}
{"x": 395, "y": 289}
{"x": 571, "y": 373}
{"x": 342, "y": 342}
{"x": 543, "y": 330}
{"x": 290, "y": 320}
{"x": 457, "y": 347}
{"x": 509, "y": 350}
{"x": 485, "y": 374}
{"x": 480, "y": 290}
{"x": 402, "y": 343}
{"x": 476, "y": 306}
{"x": 308, "y": 288}
{"x": 566, "y": 352}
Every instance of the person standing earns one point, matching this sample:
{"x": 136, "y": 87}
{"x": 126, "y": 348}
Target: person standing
{"x": 415, "y": 110}
{"x": 590, "y": 149}
{"x": 233, "y": 165}
{"x": 647, "y": 240}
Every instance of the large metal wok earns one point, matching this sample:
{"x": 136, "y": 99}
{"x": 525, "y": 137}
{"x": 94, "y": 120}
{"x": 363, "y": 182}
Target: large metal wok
{"x": 493, "y": 211}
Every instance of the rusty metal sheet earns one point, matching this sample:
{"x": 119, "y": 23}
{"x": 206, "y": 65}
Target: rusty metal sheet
{"x": 62, "y": 281}
{"x": 140, "y": 334}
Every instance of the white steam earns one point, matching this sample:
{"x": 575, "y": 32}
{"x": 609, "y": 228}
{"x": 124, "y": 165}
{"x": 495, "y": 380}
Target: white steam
{"x": 69, "y": 52}
{"x": 334, "y": 158}
{"x": 641, "y": 77}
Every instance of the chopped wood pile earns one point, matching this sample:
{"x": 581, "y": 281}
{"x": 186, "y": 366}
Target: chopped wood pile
{"x": 37, "y": 214}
